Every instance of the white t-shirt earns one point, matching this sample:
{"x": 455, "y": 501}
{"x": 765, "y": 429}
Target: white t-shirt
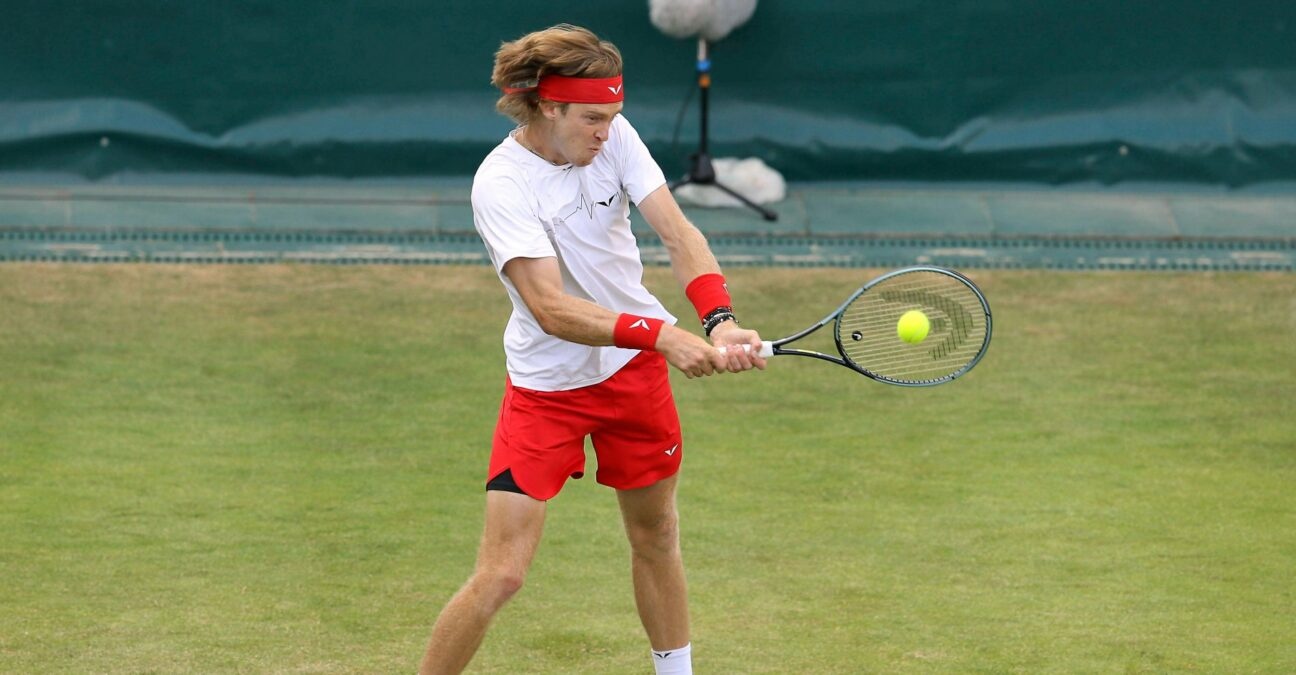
{"x": 526, "y": 207}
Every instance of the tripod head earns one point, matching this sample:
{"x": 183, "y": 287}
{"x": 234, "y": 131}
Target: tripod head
{"x": 710, "y": 20}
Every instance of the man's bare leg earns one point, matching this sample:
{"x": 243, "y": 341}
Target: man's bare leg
{"x": 661, "y": 594}
{"x": 514, "y": 523}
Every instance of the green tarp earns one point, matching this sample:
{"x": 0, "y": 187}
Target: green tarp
{"x": 1198, "y": 91}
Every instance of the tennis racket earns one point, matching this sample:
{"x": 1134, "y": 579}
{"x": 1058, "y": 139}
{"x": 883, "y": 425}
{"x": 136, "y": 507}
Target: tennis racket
{"x": 864, "y": 328}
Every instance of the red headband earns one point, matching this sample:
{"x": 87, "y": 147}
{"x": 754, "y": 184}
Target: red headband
{"x": 565, "y": 89}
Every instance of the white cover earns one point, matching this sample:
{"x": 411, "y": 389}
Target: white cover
{"x": 525, "y": 207}
{"x": 749, "y": 177}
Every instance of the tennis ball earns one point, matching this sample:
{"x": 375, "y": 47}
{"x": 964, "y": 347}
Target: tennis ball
{"x": 913, "y": 327}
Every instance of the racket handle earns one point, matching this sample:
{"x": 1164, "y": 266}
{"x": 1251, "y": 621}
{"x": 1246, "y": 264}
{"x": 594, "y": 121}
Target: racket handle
{"x": 766, "y": 350}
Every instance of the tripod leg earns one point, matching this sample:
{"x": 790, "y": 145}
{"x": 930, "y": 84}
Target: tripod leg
{"x": 766, "y": 213}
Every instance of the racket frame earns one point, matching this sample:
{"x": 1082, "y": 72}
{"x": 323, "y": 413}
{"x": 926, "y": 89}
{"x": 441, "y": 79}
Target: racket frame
{"x": 776, "y": 347}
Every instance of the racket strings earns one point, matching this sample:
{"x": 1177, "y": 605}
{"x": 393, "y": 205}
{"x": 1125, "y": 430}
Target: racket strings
{"x": 866, "y": 328}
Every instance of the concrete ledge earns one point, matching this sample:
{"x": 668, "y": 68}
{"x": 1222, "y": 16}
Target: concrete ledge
{"x": 824, "y": 225}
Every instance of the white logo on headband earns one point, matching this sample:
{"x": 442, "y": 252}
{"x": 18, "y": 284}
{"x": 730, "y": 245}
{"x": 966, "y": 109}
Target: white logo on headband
{"x": 616, "y": 89}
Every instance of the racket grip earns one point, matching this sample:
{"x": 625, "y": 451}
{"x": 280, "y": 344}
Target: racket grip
{"x": 766, "y": 350}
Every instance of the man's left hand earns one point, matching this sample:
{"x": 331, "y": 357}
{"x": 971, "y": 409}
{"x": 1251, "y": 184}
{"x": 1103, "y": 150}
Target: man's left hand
{"x": 732, "y": 337}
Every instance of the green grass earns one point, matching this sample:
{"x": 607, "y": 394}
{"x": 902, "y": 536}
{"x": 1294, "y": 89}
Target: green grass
{"x": 278, "y": 469}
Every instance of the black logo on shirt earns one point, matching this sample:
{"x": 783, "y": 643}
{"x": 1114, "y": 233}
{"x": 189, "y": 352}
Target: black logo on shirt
{"x": 589, "y": 207}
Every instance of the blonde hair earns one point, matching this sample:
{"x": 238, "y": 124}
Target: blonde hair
{"x": 564, "y": 49}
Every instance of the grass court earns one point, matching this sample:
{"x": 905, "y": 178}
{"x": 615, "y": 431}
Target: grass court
{"x": 211, "y": 469}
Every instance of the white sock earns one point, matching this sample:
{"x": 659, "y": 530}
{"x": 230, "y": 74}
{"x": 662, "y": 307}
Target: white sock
{"x": 674, "y": 661}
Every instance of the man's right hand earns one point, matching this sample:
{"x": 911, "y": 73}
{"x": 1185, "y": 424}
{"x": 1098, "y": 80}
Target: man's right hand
{"x": 692, "y": 355}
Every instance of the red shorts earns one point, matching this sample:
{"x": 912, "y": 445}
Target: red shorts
{"x": 631, "y": 417}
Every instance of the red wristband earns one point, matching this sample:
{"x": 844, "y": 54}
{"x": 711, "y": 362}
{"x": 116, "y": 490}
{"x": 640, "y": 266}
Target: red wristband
{"x": 707, "y": 292}
{"x": 636, "y": 332}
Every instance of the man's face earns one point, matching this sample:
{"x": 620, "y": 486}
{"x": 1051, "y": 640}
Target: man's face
{"x": 580, "y": 132}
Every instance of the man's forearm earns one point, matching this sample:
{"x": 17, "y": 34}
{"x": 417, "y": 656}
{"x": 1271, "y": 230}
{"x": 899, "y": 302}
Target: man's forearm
{"x": 576, "y": 320}
{"x": 690, "y": 255}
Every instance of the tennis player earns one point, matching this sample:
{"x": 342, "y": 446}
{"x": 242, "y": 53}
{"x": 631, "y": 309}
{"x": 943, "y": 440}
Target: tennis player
{"x": 587, "y": 345}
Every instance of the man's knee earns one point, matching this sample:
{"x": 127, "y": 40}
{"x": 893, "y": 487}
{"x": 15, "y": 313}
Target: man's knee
{"x": 497, "y": 585}
{"x": 656, "y": 535}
